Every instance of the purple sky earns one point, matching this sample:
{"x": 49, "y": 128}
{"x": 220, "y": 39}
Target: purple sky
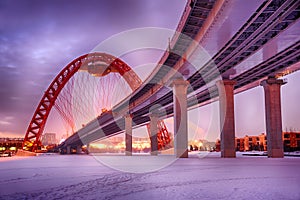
{"x": 38, "y": 38}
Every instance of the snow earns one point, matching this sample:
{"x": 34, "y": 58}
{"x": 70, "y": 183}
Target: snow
{"x": 201, "y": 176}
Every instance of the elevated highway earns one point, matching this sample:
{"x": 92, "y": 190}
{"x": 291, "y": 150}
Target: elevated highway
{"x": 270, "y": 20}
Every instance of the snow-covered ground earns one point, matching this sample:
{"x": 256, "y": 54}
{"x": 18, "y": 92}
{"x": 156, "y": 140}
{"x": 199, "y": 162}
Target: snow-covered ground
{"x": 199, "y": 177}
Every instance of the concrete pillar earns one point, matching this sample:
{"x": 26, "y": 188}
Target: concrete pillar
{"x": 180, "y": 118}
{"x": 273, "y": 117}
{"x": 88, "y": 148}
{"x": 68, "y": 149}
{"x": 227, "y": 126}
{"x": 153, "y": 133}
{"x": 78, "y": 149}
{"x": 128, "y": 135}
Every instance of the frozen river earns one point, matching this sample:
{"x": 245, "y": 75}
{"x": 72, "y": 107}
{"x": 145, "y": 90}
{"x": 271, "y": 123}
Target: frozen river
{"x": 211, "y": 177}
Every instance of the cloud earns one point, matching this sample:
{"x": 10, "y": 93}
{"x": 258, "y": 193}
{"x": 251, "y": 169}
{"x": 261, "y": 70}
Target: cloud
{"x": 4, "y": 123}
{"x": 6, "y": 120}
{"x": 9, "y": 84}
{"x": 9, "y": 118}
{"x": 9, "y": 135}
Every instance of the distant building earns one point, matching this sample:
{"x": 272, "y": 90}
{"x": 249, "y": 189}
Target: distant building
{"x": 262, "y": 142}
{"x": 291, "y": 142}
{"x": 10, "y": 144}
{"x": 201, "y": 145}
{"x": 49, "y": 139}
{"x": 257, "y": 143}
{"x": 240, "y": 144}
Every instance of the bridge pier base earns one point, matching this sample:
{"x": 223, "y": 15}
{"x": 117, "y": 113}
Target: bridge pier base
{"x": 227, "y": 126}
{"x": 87, "y": 148}
{"x": 180, "y": 118}
{"x": 78, "y": 149}
{"x": 68, "y": 149}
{"x": 153, "y": 133}
{"x": 128, "y": 135}
{"x": 273, "y": 117}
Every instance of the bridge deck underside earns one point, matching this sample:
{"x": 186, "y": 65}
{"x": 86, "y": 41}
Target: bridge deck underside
{"x": 259, "y": 29}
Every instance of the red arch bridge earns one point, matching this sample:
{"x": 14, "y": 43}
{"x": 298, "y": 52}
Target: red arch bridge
{"x": 268, "y": 31}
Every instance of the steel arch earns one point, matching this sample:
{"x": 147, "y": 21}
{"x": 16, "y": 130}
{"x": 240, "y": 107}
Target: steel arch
{"x": 38, "y": 121}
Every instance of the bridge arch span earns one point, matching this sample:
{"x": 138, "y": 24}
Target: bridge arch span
{"x": 97, "y": 64}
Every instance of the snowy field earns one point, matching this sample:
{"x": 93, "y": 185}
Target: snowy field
{"x": 198, "y": 177}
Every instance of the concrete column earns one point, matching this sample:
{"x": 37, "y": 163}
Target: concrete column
{"x": 78, "y": 149}
{"x": 180, "y": 118}
{"x": 273, "y": 117}
{"x": 227, "y": 126}
{"x": 128, "y": 135}
{"x": 68, "y": 149}
{"x": 88, "y": 148}
{"x": 153, "y": 133}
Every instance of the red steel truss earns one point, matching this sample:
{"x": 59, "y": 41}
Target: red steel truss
{"x": 163, "y": 136}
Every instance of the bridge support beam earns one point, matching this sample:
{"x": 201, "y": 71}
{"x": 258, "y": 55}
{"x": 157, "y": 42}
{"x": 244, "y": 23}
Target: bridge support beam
{"x": 128, "y": 135}
{"x": 153, "y": 133}
{"x": 273, "y": 117}
{"x": 180, "y": 118}
{"x": 68, "y": 149}
{"x": 227, "y": 125}
{"x": 270, "y": 49}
